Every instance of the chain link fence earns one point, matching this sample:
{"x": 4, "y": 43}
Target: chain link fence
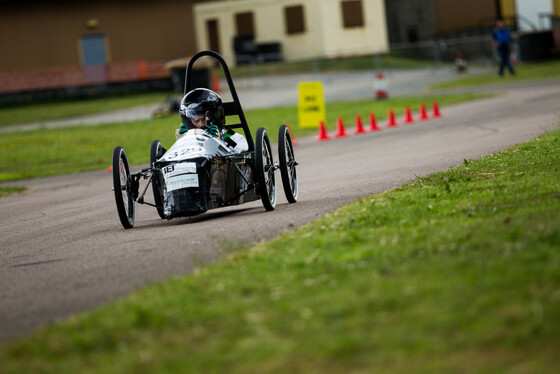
{"x": 477, "y": 49}
{"x": 431, "y": 53}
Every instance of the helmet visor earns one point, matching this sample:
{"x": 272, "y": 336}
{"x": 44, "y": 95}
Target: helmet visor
{"x": 194, "y": 110}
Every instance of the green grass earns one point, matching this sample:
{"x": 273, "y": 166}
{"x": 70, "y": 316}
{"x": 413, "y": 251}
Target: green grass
{"x": 5, "y": 191}
{"x": 456, "y": 272}
{"x": 530, "y": 71}
{"x": 68, "y": 150}
{"x": 51, "y": 110}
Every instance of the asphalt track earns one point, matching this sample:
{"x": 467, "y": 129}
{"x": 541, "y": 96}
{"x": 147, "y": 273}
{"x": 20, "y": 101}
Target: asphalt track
{"x": 64, "y": 251}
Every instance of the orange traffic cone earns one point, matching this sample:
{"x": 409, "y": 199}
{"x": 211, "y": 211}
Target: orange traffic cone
{"x": 215, "y": 82}
{"x": 110, "y": 169}
{"x": 293, "y": 140}
{"x": 423, "y": 114}
{"x": 323, "y": 134}
{"x": 359, "y": 126}
{"x": 392, "y": 122}
{"x": 373, "y": 123}
{"x": 340, "y": 130}
{"x": 408, "y": 115}
{"x": 436, "y": 110}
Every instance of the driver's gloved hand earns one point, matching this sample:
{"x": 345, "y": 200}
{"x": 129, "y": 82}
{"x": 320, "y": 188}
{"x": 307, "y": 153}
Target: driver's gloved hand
{"x": 181, "y": 130}
{"x": 212, "y": 130}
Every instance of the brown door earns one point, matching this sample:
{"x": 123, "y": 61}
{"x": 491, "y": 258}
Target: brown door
{"x": 213, "y": 35}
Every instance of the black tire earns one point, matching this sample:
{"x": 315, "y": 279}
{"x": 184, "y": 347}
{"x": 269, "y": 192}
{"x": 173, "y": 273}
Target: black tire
{"x": 156, "y": 151}
{"x": 122, "y": 185}
{"x": 264, "y": 165}
{"x": 288, "y": 164}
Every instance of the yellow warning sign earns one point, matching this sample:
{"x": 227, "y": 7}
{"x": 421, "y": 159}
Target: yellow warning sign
{"x": 311, "y": 104}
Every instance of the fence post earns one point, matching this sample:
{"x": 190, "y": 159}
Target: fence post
{"x": 377, "y": 62}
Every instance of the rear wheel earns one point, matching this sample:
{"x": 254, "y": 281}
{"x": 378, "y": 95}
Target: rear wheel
{"x": 122, "y": 186}
{"x": 156, "y": 151}
{"x": 288, "y": 164}
{"x": 264, "y": 164}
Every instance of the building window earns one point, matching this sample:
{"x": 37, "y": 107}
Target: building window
{"x": 352, "y": 13}
{"x": 244, "y": 24}
{"x": 294, "y": 19}
{"x": 213, "y": 35}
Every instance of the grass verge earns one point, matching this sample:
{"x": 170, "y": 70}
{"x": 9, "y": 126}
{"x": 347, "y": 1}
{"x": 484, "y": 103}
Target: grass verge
{"x": 455, "y": 272}
{"x": 51, "y": 110}
{"x": 67, "y": 150}
{"x": 5, "y": 191}
{"x": 542, "y": 70}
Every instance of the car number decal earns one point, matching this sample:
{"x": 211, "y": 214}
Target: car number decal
{"x": 180, "y": 175}
{"x": 184, "y": 151}
{"x": 179, "y": 168}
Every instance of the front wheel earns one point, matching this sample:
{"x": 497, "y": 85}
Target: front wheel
{"x": 156, "y": 151}
{"x": 122, "y": 186}
{"x": 264, "y": 164}
{"x": 288, "y": 164}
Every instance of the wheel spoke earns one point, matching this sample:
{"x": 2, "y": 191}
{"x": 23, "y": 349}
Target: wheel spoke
{"x": 287, "y": 164}
{"x": 265, "y": 168}
{"x": 270, "y": 185}
{"x": 122, "y": 188}
{"x": 269, "y": 171}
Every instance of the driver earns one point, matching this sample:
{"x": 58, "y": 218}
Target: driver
{"x": 202, "y": 108}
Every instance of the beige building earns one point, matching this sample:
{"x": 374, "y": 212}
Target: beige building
{"x": 303, "y": 29}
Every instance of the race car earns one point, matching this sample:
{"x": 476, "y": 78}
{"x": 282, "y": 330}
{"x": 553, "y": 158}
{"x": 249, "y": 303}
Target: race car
{"x": 201, "y": 171}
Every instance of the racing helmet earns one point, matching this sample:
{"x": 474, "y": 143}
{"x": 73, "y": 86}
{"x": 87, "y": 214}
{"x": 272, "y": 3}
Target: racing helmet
{"x": 202, "y": 102}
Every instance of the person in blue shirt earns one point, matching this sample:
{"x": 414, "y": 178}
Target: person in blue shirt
{"x": 502, "y": 41}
